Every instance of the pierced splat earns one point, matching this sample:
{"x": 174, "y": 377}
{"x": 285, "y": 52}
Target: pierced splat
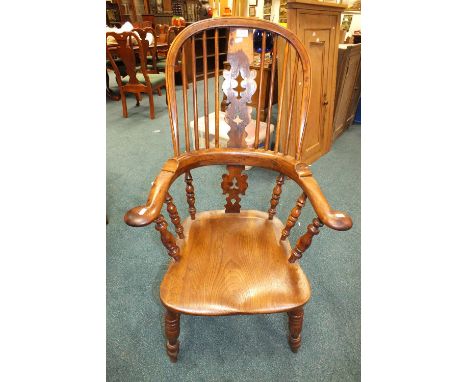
{"x": 234, "y": 184}
{"x": 293, "y": 216}
{"x": 275, "y": 197}
{"x": 305, "y": 240}
{"x": 239, "y": 85}
{"x": 126, "y": 53}
{"x": 167, "y": 238}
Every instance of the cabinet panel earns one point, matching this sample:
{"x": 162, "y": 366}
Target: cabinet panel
{"x": 348, "y": 88}
{"x": 316, "y": 25}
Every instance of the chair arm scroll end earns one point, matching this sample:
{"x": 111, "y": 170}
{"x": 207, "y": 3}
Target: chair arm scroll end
{"x": 139, "y": 216}
{"x": 339, "y": 221}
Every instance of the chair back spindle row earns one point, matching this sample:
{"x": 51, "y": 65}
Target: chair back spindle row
{"x": 245, "y": 86}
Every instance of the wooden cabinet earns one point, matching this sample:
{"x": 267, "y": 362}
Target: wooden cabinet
{"x": 348, "y": 87}
{"x": 317, "y": 25}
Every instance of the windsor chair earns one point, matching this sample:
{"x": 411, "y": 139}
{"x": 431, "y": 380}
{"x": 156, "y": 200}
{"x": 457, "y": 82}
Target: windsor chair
{"x": 136, "y": 80}
{"x": 235, "y": 261}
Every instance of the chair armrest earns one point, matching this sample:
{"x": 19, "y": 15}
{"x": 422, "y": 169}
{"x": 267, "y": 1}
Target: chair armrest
{"x": 141, "y": 216}
{"x": 337, "y": 220}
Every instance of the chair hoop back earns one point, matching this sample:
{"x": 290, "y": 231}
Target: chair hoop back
{"x": 241, "y": 82}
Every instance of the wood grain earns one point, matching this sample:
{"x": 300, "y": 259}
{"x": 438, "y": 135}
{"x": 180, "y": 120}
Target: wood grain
{"x": 233, "y": 264}
{"x": 296, "y": 318}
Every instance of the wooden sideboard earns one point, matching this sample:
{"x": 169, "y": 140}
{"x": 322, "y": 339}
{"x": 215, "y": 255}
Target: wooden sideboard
{"x": 317, "y": 25}
{"x": 348, "y": 87}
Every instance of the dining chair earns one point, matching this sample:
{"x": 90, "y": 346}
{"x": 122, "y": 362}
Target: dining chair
{"x": 233, "y": 261}
{"x": 149, "y": 50}
{"x": 130, "y": 49}
{"x": 172, "y": 32}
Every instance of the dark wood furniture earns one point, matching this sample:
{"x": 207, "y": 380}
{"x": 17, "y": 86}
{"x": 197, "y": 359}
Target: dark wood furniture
{"x": 132, "y": 53}
{"x": 348, "y": 87}
{"x": 234, "y": 261}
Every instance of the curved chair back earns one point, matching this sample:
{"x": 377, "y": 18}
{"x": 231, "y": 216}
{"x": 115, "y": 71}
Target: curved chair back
{"x": 228, "y": 43}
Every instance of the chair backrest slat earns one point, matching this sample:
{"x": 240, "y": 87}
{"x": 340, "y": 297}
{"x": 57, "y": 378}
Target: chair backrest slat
{"x": 260, "y": 90}
{"x": 248, "y": 84}
{"x": 195, "y": 98}
{"x": 281, "y": 98}
{"x": 205, "y": 92}
{"x": 184, "y": 95}
{"x": 271, "y": 92}
{"x": 293, "y": 88}
{"x": 216, "y": 76}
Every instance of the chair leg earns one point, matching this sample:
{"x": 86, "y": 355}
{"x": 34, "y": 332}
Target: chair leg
{"x": 151, "y": 104}
{"x": 124, "y": 104}
{"x": 138, "y": 98}
{"x": 172, "y": 325}
{"x": 296, "y": 317}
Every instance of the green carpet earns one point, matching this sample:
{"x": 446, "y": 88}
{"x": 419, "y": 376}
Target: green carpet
{"x": 236, "y": 348}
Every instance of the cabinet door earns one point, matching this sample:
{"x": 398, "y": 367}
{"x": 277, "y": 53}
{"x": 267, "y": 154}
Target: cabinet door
{"x": 318, "y": 34}
{"x": 345, "y": 99}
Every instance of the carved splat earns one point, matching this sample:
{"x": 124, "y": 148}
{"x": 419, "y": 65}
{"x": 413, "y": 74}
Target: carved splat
{"x": 296, "y": 318}
{"x": 234, "y": 184}
{"x": 275, "y": 197}
{"x": 174, "y": 215}
{"x": 239, "y": 85}
{"x": 190, "y": 192}
{"x": 305, "y": 240}
{"x": 126, "y": 53}
{"x": 293, "y": 216}
{"x": 167, "y": 238}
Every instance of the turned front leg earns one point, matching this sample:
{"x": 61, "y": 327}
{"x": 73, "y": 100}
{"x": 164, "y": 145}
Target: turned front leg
{"x": 172, "y": 329}
{"x": 296, "y": 318}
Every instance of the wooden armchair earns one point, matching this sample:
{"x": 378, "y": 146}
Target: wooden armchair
{"x": 137, "y": 79}
{"x": 232, "y": 261}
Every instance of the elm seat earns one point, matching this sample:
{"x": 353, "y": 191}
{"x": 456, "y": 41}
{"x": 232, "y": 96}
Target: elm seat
{"x": 155, "y": 78}
{"x": 226, "y": 269}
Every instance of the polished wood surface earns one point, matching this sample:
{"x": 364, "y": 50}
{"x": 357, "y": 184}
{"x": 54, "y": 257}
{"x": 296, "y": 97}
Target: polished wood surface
{"x": 233, "y": 264}
{"x": 234, "y": 261}
{"x": 296, "y": 318}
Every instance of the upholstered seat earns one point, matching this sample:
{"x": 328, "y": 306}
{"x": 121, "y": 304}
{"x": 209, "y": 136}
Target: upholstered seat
{"x": 155, "y": 78}
{"x": 233, "y": 264}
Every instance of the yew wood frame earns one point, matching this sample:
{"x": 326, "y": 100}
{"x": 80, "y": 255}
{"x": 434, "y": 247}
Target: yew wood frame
{"x": 285, "y": 164}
